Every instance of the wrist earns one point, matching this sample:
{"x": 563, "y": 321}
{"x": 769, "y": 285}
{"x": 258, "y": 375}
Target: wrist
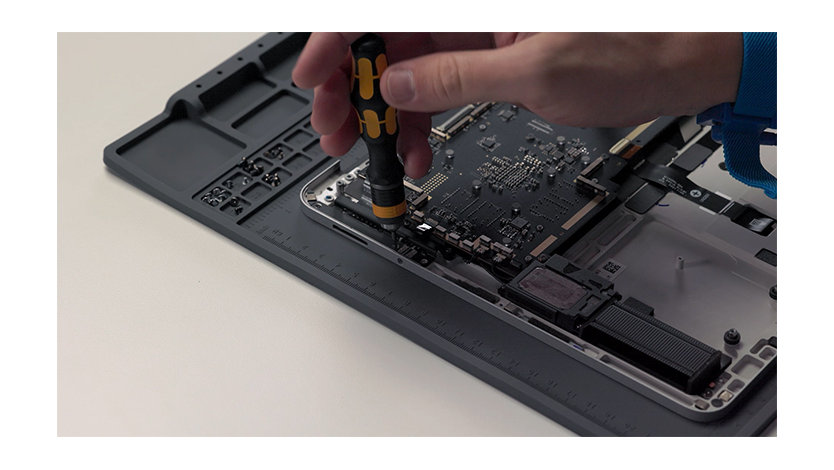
{"x": 702, "y": 70}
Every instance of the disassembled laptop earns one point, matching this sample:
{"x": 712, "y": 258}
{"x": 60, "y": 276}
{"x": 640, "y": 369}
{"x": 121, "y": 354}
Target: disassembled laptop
{"x": 572, "y": 231}
{"x": 618, "y": 281}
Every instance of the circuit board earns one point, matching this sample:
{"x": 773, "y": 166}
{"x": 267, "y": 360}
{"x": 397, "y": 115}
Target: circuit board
{"x": 505, "y": 187}
{"x": 512, "y": 178}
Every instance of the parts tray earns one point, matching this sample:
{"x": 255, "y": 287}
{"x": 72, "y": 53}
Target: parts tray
{"x": 247, "y": 108}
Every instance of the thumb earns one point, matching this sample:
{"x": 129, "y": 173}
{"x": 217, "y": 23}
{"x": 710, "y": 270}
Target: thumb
{"x": 446, "y": 80}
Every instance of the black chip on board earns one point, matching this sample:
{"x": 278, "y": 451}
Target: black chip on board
{"x": 519, "y": 223}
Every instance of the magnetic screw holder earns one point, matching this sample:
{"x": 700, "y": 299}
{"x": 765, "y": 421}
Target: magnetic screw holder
{"x": 741, "y": 126}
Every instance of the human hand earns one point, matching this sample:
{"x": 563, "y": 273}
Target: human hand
{"x": 578, "y": 79}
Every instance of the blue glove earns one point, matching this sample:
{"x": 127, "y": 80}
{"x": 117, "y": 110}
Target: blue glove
{"x": 740, "y": 126}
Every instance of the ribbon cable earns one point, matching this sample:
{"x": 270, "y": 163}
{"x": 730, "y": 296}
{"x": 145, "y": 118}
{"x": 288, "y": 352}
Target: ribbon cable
{"x": 676, "y": 180}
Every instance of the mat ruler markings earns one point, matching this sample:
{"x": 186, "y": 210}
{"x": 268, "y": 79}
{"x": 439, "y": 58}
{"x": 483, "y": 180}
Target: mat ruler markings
{"x": 459, "y": 338}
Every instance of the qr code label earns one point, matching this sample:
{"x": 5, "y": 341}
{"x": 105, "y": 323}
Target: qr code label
{"x": 611, "y": 269}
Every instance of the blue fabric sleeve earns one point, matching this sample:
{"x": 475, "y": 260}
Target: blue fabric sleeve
{"x": 740, "y": 126}
{"x": 757, "y": 87}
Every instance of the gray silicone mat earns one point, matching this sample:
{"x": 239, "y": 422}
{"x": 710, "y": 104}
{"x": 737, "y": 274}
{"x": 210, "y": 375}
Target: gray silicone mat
{"x": 191, "y": 157}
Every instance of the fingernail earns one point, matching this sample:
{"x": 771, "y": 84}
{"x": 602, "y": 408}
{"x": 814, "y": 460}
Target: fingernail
{"x": 401, "y": 85}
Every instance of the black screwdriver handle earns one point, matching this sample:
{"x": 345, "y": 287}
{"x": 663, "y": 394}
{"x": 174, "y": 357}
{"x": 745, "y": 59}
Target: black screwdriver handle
{"x": 378, "y": 128}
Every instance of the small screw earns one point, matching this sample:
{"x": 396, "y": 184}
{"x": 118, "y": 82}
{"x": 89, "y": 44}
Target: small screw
{"x": 732, "y": 336}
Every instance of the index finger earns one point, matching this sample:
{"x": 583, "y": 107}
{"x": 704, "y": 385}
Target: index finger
{"x": 322, "y": 55}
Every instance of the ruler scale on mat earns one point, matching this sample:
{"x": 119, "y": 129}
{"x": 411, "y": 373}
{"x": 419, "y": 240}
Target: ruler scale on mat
{"x": 249, "y": 193}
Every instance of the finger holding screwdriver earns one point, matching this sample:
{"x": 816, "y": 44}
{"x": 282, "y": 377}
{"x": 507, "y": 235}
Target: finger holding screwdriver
{"x": 325, "y": 64}
{"x": 573, "y": 79}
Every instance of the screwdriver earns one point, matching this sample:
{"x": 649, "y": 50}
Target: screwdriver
{"x": 378, "y": 128}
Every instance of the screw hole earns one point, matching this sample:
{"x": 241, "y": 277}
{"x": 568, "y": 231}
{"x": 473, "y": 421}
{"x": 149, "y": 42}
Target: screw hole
{"x": 260, "y": 45}
{"x": 219, "y": 72}
{"x": 240, "y": 58}
{"x": 199, "y": 86}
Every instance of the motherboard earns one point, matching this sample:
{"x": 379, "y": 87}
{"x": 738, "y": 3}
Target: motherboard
{"x": 505, "y": 187}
